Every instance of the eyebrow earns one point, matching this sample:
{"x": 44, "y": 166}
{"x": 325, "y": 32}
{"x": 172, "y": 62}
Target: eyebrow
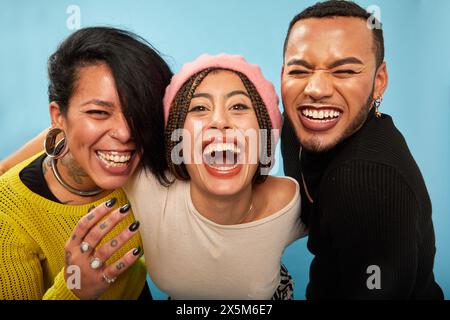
{"x": 337, "y": 63}
{"x": 99, "y": 102}
{"x": 228, "y": 95}
{"x": 300, "y": 62}
{"x": 204, "y": 95}
{"x": 237, "y": 92}
{"x": 340, "y": 62}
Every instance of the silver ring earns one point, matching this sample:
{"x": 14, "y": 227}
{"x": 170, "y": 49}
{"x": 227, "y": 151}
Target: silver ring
{"x": 96, "y": 263}
{"x": 85, "y": 247}
{"x": 108, "y": 280}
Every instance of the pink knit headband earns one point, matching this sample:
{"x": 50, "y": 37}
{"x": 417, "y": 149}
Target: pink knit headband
{"x": 232, "y": 62}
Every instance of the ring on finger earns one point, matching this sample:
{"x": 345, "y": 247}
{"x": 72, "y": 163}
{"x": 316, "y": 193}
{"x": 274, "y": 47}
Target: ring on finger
{"x": 96, "y": 263}
{"x": 108, "y": 280}
{"x": 85, "y": 247}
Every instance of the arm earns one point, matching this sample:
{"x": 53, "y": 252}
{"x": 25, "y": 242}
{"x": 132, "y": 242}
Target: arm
{"x": 21, "y": 275}
{"x": 374, "y": 223}
{"x": 29, "y": 149}
{"x": 26, "y": 282}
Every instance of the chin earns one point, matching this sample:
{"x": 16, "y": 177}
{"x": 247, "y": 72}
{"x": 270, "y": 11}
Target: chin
{"x": 111, "y": 183}
{"x": 225, "y": 185}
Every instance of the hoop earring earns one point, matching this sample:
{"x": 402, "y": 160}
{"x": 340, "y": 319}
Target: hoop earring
{"x": 377, "y": 104}
{"x": 53, "y": 149}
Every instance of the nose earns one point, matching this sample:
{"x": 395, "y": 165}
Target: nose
{"x": 319, "y": 86}
{"x": 120, "y": 129}
{"x": 219, "y": 120}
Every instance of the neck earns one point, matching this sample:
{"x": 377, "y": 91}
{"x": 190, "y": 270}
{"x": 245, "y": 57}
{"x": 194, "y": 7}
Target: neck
{"x": 226, "y": 210}
{"x": 73, "y": 175}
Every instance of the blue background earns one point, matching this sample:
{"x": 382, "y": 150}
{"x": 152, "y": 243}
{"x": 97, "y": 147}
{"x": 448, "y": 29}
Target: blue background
{"x": 417, "y": 53}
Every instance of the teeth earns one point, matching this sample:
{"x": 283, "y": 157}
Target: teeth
{"x": 220, "y": 168}
{"x": 114, "y": 160}
{"x": 321, "y": 115}
{"x": 220, "y": 147}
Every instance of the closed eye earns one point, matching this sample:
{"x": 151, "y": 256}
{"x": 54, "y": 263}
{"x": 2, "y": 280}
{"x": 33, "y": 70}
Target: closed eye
{"x": 298, "y": 72}
{"x": 345, "y": 72}
{"x": 98, "y": 112}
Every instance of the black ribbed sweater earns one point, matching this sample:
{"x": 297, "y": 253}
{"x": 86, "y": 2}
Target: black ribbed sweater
{"x": 371, "y": 208}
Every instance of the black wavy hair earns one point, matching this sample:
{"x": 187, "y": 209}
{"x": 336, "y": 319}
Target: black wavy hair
{"x": 141, "y": 77}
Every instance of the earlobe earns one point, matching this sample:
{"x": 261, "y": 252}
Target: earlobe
{"x": 381, "y": 81}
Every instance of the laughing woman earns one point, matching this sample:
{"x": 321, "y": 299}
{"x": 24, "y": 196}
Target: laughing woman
{"x": 220, "y": 230}
{"x": 50, "y": 246}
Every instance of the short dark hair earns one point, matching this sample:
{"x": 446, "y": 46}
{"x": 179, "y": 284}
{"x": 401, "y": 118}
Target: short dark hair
{"x": 341, "y": 8}
{"x": 141, "y": 77}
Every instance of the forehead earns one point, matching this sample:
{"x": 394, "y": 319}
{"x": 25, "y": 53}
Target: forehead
{"x": 218, "y": 81}
{"x": 327, "y": 39}
{"x": 95, "y": 78}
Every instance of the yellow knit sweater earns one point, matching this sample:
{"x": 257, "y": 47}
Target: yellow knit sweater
{"x": 33, "y": 232}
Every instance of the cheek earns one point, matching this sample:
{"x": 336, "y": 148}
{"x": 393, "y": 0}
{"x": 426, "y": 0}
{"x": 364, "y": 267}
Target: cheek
{"x": 355, "y": 93}
{"x": 82, "y": 137}
{"x": 192, "y": 135}
{"x": 291, "y": 89}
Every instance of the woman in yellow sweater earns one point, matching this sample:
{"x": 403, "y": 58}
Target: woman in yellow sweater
{"x": 51, "y": 247}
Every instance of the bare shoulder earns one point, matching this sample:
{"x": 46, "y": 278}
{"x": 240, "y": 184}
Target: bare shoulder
{"x": 278, "y": 192}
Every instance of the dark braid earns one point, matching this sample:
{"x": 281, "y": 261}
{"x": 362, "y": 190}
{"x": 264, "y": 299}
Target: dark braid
{"x": 177, "y": 117}
{"x": 264, "y": 123}
{"x": 178, "y": 113}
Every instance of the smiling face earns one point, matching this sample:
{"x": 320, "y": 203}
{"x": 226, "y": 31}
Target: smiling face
{"x": 219, "y": 119}
{"x": 330, "y": 79}
{"x": 99, "y": 140}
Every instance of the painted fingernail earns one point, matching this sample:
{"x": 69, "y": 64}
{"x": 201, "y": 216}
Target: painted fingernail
{"x": 91, "y": 208}
{"x": 125, "y": 208}
{"x": 136, "y": 251}
{"x": 111, "y": 202}
{"x": 134, "y": 226}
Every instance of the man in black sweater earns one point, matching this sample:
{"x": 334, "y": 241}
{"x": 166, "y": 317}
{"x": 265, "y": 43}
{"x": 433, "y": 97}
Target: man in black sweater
{"x": 363, "y": 196}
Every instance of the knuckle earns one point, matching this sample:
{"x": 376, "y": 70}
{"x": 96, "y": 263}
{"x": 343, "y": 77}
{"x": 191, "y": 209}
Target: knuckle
{"x": 102, "y": 253}
{"x": 94, "y": 236}
{"x": 83, "y": 224}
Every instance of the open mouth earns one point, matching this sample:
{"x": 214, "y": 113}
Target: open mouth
{"x": 222, "y": 158}
{"x": 115, "y": 159}
{"x": 319, "y": 118}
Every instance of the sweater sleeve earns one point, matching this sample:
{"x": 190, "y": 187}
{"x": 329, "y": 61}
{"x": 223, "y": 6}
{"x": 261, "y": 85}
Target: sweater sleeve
{"x": 373, "y": 230}
{"x": 21, "y": 275}
{"x": 290, "y": 148}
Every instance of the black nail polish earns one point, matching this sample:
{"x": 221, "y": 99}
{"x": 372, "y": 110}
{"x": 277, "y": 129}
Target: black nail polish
{"x": 137, "y": 251}
{"x": 125, "y": 208}
{"x": 134, "y": 226}
{"x": 111, "y": 202}
{"x": 91, "y": 208}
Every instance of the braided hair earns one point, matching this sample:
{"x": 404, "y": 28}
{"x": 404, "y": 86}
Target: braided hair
{"x": 178, "y": 113}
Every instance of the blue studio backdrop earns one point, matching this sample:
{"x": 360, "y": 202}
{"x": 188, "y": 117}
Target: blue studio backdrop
{"x": 417, "y": 45}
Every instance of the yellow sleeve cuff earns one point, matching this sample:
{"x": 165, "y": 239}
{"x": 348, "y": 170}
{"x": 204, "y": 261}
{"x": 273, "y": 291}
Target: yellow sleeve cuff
{"x": 59, "y": 290}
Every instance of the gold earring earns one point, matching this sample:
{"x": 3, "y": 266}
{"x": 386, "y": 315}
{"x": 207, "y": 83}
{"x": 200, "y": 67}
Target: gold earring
{"x": 377, "y": 104}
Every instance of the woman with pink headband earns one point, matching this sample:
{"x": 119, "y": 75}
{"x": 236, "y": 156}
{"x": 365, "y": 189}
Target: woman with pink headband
{"x": 220, "y": 229}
